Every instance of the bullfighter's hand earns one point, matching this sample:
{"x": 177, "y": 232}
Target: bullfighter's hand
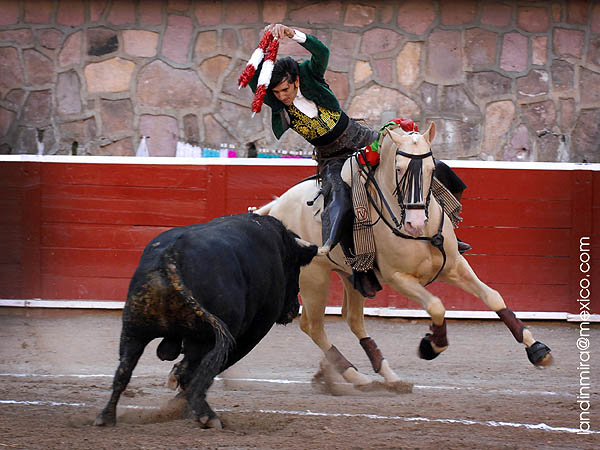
{"x": 280, "y": 30}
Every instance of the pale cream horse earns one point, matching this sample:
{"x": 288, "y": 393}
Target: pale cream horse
{"x": 404, "y": 263}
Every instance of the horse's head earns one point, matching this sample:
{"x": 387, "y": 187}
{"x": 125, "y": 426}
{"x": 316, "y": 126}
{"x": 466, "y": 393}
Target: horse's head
{"x": 413, "y": 167}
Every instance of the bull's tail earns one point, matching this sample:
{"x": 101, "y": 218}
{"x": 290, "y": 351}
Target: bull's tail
{"x": 266, "y": 209}
{"x": 224, "y": 340}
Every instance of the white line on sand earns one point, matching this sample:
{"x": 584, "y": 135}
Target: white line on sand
{"x": 489, "y": 423}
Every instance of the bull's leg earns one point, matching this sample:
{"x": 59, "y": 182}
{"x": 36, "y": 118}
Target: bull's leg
{"x": 314, "y": 290}
{"x": 131, "y": 348}
{"x": 353, "y": 313}
{"x": 201, "y": 369}
{"x": 182, "y": 373}
{"x": 178, "y": 375}
{"x": 464, "y": 277}
{"x": 433, "y": 343}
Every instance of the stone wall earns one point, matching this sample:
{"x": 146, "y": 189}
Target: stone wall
{"x": 504, "y": 80}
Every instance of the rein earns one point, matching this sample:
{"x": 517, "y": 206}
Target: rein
{"x": 437, "y": 240}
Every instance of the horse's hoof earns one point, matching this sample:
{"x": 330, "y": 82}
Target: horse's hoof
{"x": 426, "y": 350}
{"x": 539, "y": 354}
{"x": 207, "y": 422}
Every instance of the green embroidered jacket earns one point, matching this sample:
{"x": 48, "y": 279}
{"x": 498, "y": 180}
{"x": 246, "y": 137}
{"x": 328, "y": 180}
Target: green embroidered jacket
{"x": 312, "y": 85}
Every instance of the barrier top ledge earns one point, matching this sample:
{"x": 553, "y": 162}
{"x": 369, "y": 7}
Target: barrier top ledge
{"x": 165, "y": 160}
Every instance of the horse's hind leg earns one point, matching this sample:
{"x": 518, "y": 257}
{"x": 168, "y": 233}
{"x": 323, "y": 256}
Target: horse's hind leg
{"x": 353, "y": 313}
{"x": 131, "y": 348}
{"x": 314, "y": 290}
{"x": 464, "y": 277}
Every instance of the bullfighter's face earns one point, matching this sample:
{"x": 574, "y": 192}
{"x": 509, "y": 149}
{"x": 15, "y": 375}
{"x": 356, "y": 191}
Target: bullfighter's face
{"x": 286, "y": 92}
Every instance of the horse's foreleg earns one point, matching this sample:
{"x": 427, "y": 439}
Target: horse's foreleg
{"x": 435, "y": 342}
{"x": 464, "y": 277}
{"x": 314, "y": 290}
{"x": 353, "y": 313}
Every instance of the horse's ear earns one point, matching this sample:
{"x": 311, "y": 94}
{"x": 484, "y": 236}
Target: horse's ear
{"x": 430, "y": 133}
{"x": 393, "y": 135}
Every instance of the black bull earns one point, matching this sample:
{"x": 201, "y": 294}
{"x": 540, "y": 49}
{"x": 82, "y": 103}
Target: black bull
{"x": 212, "y": 291}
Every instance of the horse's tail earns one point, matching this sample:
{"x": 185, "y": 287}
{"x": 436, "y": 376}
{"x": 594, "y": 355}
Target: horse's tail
{"x": 266, "y": 209}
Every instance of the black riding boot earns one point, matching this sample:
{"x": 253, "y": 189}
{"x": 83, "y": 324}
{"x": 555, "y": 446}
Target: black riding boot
{"x": 336, "y": 218}
{"x": 337, "y": 212}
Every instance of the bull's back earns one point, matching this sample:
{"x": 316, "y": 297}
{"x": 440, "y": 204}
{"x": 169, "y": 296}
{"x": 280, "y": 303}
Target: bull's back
{"x": 230, "y": 264}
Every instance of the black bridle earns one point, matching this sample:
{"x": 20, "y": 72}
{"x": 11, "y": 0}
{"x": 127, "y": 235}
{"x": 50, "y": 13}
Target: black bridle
{"x": 410, "y": 184}
{"x": 410, "y": 180}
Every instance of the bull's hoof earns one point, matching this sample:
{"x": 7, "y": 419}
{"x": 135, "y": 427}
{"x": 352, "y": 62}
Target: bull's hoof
{"x": 426, "y": 350}
{"x": 105, "y": 420}
{"x": 539, "y": 354}
{"x": 173, "y": 381}
{"x": 210, "y": 422}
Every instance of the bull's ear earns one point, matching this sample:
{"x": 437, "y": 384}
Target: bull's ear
{"x": 306, "y": 251}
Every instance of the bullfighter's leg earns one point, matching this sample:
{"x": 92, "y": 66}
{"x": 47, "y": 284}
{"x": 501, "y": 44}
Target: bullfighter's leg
{"x": 435, "y": 342}
{"x": 314, "y": 282}
{"x": 464, "y": 277}
{"x": 131, "y": 348}
{"x": 353, "y": 313}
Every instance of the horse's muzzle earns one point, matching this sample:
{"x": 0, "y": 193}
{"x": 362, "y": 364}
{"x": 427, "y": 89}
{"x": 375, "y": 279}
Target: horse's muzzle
{"x": 415, "y": 221}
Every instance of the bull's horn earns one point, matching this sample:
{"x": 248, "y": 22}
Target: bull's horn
{"x": 323, "y": 250}
{"x": 303, "y": 243}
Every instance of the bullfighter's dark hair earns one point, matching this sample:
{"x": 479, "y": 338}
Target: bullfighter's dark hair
{"x": 284, "y": 69}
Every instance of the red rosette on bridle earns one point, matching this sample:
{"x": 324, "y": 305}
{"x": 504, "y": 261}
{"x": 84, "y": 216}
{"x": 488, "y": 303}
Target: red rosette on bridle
{"x": 255, "y": 60}
{"x": 372, "y": 151}
{"x": 406, "y": 124}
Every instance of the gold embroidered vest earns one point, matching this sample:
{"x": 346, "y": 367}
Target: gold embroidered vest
{"x": 312, "y": 128}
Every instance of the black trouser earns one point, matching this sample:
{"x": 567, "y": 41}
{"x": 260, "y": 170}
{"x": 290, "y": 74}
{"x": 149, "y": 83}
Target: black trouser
{"x": 337, "y": 212}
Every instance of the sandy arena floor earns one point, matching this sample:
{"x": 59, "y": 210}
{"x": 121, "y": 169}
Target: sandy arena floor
{"x": 56, "y": 370}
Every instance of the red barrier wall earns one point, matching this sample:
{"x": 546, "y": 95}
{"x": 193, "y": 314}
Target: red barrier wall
{"x": 75, "y": 230}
